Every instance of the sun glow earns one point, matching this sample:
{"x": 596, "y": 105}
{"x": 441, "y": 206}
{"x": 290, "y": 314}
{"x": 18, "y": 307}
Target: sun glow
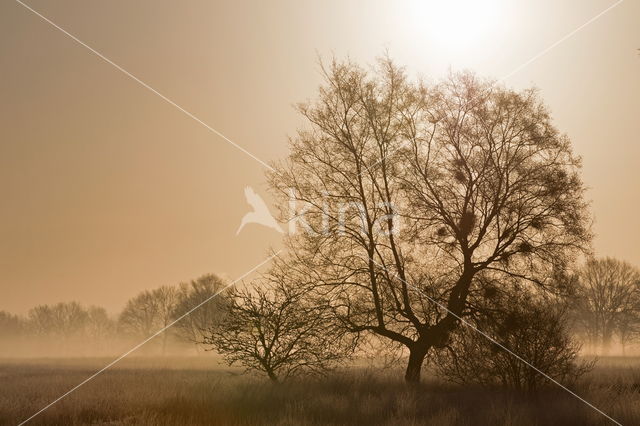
{"x": 455, "y": 24}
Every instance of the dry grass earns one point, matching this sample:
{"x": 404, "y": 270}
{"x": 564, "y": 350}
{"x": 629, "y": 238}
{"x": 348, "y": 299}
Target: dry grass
{"x": 142, "y": 391}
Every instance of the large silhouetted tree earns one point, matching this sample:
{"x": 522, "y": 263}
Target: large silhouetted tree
{"x": 403, "y": 193}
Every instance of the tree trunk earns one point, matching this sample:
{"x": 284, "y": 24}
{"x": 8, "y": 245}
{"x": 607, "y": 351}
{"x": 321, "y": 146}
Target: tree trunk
{"x": 414, "y": 366}
{"x": 272, "y": 376}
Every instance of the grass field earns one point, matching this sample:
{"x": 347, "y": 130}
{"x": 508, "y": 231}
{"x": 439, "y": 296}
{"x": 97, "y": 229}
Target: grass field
{"x": 184, "y": 391}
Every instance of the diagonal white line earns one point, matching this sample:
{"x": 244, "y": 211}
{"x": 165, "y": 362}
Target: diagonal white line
{"x": 94, "y": 375}
{"x": 571, "y": 34}
{"x": 494, "y": 341}
{"x": 142, "y": 83}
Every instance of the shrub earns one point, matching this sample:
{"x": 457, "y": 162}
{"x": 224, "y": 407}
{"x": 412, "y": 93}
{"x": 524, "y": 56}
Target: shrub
{"x": 533, "y": 330}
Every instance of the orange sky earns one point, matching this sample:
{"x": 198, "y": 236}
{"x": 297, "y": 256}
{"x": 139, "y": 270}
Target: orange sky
{"x": 107, "y": 189}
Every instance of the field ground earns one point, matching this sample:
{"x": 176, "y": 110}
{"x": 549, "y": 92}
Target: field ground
{"x": 185, "y": 391}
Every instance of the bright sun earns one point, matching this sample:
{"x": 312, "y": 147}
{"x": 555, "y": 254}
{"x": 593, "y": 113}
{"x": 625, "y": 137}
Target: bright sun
{"x": 455, "y": 23}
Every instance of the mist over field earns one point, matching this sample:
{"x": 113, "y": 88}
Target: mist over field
{"x": 176, "y": 377}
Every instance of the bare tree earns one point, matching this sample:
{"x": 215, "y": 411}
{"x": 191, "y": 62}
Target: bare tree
{"x": 273, "y": 329}
{"x": 99, "y": 327}
{"x": 408, "y": 191}
{"x": 140, "y": 315}
{"x": 148, "y": 312}
{"x": 206, "y": 288}
{"x": 166, "y": 299}
{"x": 608, "y": 301}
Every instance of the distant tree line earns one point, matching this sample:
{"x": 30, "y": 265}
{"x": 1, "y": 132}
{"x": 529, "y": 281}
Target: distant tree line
{"x": 68, "y": 327}
{"x": 55, "y": 327}
{"x": 274, "y": 326}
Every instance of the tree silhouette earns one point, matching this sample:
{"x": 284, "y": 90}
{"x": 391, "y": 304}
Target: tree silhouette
{"x": 274, "y": 328}
{"x": 207, "y": 288}
{"x": 149, "y": 312}
{"x": 409, "y": 191}
{"x": 608, "y": 301}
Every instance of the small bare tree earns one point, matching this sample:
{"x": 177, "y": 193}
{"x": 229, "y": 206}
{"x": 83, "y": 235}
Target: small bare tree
{"x": 273, "y": 329}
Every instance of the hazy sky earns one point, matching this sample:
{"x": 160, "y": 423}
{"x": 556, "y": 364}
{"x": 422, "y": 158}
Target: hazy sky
{"x": 106, "y": 189}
